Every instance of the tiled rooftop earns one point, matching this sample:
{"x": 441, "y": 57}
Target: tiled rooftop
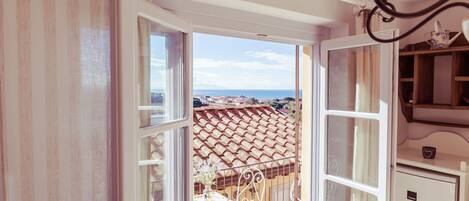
{"x": 241, "y": 136}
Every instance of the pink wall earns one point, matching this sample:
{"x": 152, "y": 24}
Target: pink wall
{"x": 2, "y": 67}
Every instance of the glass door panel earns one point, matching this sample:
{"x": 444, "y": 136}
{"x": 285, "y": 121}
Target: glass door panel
{"x": 163, "y": 102}
{"x": 155, "y": 88}
{"x": 158, "y": 162}
{"x": 161, "y": 61}
{"x": 353, "y": 79}
{"x": 337, "y": 192}
{"x": 355, "y": 123}
{"x": 352, "y": 149}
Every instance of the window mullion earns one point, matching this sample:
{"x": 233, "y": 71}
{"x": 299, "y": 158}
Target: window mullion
{"x": 144, "y": 132}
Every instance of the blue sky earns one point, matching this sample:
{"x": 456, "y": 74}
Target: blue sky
{"x": 232, "y": 63}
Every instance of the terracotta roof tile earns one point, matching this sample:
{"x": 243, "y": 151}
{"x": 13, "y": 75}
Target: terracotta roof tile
{"x": 242, "y": 136}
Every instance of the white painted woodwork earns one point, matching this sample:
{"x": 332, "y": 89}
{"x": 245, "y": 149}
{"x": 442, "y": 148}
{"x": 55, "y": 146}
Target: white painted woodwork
{"x": 446, "y": 142}
{"x": 452, "y": 149}
{"x": 309, "y": 142}
{"x": 179, "y": 185}
{"x": 443, "y": 162}
{"x": 385, "y": 115}
{"x": 428, "y": 186}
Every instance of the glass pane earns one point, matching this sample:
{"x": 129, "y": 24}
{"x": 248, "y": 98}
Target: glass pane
{"x": 161, "y": 70}
{"x": 338, "y": 192}
{"x": 159, "y": 158}
{"x": 353, "y": 79}
{"x": 352, "y": 149}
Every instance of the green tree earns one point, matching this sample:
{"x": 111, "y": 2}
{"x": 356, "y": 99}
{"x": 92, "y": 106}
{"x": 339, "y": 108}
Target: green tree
{"x": 252, "y": 101}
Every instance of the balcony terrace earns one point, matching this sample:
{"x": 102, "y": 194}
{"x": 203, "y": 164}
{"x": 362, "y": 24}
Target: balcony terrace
{"x": 244, "y": 139}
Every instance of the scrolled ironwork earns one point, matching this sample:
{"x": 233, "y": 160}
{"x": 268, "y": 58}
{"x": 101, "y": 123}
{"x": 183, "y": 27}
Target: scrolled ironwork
{"x": 252, "y": 179}
{"x": 388, "y": 8}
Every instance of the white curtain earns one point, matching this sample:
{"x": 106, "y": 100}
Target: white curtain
{"x": 366, "y": 136}
{"x": 144, "y": 98}
{"x": 57, "y": 81}
{"x": 144, "y": 27}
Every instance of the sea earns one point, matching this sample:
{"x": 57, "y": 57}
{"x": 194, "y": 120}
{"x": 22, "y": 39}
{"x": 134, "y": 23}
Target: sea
{"x": 252, "y": 93}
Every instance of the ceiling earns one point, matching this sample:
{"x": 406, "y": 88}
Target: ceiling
{"x": 295, "y": 13}
{"x": 297, "y": 21}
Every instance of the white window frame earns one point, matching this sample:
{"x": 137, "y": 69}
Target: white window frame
{"x": 386, "y": 114}
{"x": 129, "y": 126}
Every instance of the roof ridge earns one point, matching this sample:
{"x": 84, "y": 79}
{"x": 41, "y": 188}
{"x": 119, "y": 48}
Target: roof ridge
{"x": 218, "y": 108}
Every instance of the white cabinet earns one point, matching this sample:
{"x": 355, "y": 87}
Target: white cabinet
{"x": 444, "y": 178}
{"x": 421, "y": 185}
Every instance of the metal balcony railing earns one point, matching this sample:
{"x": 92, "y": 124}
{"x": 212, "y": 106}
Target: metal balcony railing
{"x": 265, "y": 181}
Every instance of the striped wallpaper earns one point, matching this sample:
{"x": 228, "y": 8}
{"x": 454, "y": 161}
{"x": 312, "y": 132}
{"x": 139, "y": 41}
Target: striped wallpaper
{"x": 56, "y": 103}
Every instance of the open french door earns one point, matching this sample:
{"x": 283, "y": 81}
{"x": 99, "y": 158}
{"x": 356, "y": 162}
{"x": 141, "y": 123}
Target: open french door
{"x": 356, "y": 118}
{"x": 155, "y": 103}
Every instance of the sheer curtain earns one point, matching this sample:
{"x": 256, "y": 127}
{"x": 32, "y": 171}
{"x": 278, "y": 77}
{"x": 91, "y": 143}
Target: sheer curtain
{"x": 144, "y": 70}
{"x": 144, "y": 28}
{"x": 366, "y": 133}
{"x": 57, "y": 100}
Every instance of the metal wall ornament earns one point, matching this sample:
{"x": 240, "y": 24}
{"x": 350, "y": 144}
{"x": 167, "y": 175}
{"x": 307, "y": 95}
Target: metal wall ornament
{"x": 432, "y": 11}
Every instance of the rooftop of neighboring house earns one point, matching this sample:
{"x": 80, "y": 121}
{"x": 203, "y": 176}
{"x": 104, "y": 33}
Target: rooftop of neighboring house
{"x": 244, "y": 135}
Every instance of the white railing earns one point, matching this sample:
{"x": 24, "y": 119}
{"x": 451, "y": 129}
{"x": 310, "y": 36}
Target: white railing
{"x": 266, "y": 181}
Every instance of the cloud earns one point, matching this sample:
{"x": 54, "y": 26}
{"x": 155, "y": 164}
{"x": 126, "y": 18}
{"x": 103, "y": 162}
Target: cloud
{"x": 158, "y": 73}
{"x": 241, "y": 79}
{"x": 257, "y": 70}
{"x": 157, "y": 62}
{"x": 281, "y": 59}
{"x": 206, "y": 63}
{"x": 255, "y": 60}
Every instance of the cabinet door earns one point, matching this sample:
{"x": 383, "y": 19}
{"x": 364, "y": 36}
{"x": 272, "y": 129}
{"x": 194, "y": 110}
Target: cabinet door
{"x": 428, "y": 187}
{"x": 356, "y": 81}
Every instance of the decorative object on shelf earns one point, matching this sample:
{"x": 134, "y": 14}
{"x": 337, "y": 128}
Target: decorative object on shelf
{"x": 206, "y": 173}
{"x": 440, "y": 38}
{"x": 431, "y": 11}
{"x": 460, "y": 41}
{"x": 428, "y": 152}
{"x": 465, "y": 27}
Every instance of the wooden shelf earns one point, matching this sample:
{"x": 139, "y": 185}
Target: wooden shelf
{"x": 437, "y": 106}
{"x": 410, "y": 79}
{"x": 441, "y": 123}
{"x": 444, "y": 163}
{"x": 462, "y": 78}
{"x": 417, "y": 78}
{"x": 446, "y": 51}
{"x": 440, "y": 106}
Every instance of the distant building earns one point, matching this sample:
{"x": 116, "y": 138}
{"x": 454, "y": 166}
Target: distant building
{"x": 196, "y": 103}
